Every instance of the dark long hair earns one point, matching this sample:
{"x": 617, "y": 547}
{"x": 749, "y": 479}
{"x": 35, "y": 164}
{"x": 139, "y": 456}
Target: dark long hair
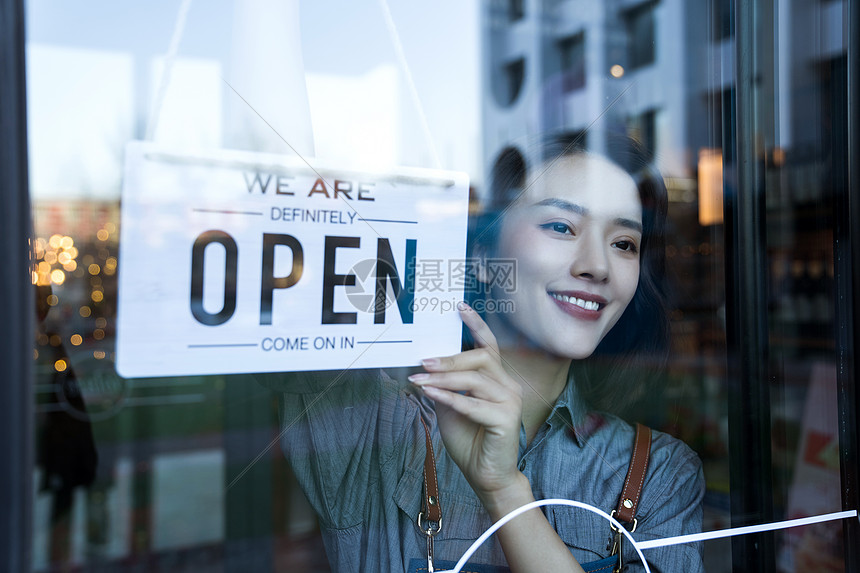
{"x": 631, "y": 357}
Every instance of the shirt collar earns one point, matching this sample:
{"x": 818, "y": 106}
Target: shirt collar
{"x": 570, "y": 409}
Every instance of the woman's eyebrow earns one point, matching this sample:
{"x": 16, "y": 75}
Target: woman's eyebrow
{"x": 629, "y": 223}
{"x": 580, "y": 210}
{"x": 562, "y": 204}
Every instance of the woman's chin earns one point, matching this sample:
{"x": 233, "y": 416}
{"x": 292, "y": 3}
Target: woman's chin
{"x": 553, "y": 350}
{"x": 575, "y": 353}
{"x": 511, "y": 338}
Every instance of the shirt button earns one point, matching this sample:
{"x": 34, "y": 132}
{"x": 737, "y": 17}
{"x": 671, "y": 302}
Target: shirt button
{"x": 522, "y": 465}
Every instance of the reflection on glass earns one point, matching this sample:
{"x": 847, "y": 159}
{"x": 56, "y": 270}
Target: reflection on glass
{"x": 166, "y": 471}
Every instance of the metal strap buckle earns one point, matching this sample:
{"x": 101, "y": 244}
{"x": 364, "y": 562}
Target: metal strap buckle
{"x": 617, "y": 539}
{"x": 430, "y": 531}
{"x": 635, "y": 522}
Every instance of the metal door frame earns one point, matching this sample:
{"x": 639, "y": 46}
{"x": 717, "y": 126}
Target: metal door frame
{"x": 846, "y": 238}
{"x": 747, "y": 330}
{"x": 17, "y": 311}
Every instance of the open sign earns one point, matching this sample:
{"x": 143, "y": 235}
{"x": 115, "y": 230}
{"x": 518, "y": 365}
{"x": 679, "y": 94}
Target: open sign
{"x": 242, "y": 262}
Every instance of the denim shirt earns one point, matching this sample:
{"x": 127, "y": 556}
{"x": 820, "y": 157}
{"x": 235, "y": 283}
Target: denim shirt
{"x": 357, "y": 446}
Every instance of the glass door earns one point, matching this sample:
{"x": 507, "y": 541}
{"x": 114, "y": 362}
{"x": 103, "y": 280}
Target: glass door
{"x": 746, "y": 108}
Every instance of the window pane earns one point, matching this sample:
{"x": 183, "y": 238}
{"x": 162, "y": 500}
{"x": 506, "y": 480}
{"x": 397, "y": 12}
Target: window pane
{"x": 650, "y": 231}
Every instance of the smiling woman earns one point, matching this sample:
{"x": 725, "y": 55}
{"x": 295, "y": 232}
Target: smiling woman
{"x": 580, "y": 195}
{"x": 521, "y": 414}
{"x": 575, "y": 233}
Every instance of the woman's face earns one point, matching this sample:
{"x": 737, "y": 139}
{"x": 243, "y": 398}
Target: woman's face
{"x": 575, "y": 233}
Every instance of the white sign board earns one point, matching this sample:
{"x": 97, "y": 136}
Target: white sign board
{"x": 236, "y": 262}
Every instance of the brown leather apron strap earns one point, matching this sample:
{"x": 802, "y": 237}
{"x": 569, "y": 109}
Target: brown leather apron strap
{"x": 431, "y": 509}
{"x": 629, "y": 500}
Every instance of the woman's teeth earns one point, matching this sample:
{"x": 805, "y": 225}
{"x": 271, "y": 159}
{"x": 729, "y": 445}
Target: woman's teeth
{"x": 586, "y": 304}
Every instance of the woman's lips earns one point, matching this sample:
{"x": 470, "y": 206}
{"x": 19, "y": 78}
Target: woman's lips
{"x": 579, "y": 304}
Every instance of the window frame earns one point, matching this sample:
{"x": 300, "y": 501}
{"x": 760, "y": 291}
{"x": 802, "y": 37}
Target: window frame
{"x": 847, "y": 262}
{"x": 16, "y": 299}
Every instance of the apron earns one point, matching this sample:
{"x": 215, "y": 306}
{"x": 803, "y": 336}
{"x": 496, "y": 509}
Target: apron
{"x": 420, "y": 566}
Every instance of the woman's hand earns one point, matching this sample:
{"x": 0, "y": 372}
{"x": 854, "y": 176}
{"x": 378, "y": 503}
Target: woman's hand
{"x": 479, "y": 409}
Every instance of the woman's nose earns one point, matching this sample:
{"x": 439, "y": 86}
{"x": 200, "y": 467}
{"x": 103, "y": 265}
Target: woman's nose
{"x": 590, "y": 260}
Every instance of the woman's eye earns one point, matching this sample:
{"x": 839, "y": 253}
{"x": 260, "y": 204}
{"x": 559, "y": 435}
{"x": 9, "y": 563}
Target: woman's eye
{"x": 555, "y": 227}
{"x": 627, "y": 246}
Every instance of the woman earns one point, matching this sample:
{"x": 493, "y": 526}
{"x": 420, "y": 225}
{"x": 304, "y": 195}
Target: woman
{"x": 512, "y": 419}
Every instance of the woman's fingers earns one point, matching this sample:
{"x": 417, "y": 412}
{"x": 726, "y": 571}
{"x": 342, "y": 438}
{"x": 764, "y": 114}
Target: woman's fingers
{"x": 478, "y": 372}
{"x": 484, "y": 360}
{"x": 486, "y": 356}
{"x": 482, "y": 334}
{"x": 477, "y": 359}
{"x": 481, "y": 361}
{"x": 473, "y": 408}
{"x": 474, "y": 383}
